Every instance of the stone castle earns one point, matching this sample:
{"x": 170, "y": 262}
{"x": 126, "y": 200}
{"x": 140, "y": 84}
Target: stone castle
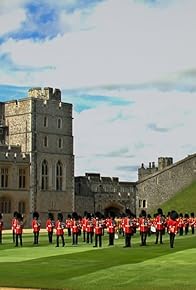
{"x": 37, "y": 166}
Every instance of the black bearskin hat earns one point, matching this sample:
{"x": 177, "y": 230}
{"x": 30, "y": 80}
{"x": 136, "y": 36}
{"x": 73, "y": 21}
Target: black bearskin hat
{"x": 15, "y": 214}
{"x": 35, "y": 214}
{"x": 1, "y": 216}
{"x": 186, "y": 215}
{"x": 143, "y": 213}
{"x": 60, "y": 216}
{"x": 173, "y": 215}
{"x": 181, "y": 215}
{"x": 19, "y": 216}
{"x": 192, "y": 215}
{"x": 50, "y": 216}
{"x": 75, "y": 215}
{"x": 159, "y": 211}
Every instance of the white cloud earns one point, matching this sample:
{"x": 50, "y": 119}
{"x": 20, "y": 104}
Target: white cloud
{"x": 97, "y": 135}
{"x": 127, "y": 43}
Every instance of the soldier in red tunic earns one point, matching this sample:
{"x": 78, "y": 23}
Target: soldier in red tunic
{"x": 75, "y": 227}
{"x": 172, "y": 225}
{"x": 19, "y": 229}
{"x": 128, "y": 229}
{"x": 60, "y": 225}
{"x": 192, "y": 223}
{"x": 111, "y": 227}
{"x": 160, "y": 226}
{"x": 181, "y": 224}
{"x": 1, "y": 227}
{"x": 89, "y": 229}
{"x": 14, "y": 225}
{"x": 98, "y": 230}
{"x": 68, "y": 225}
{"x": 50, "y": 224}
{"x": 143, "y": 226}
{"x": 36, "y": 224}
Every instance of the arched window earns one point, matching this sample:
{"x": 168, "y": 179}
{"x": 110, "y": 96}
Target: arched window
{"x": 44, "y": 180}
{"x": 45, "y": 141}
{"x": 60, "y": 143}
{"x": 59, "y": 123}
{"x": 21, "y": 207}
{"x": 59, "y": 176}
{"x": 5, "y": 206}
{"x": 45, "y": 123}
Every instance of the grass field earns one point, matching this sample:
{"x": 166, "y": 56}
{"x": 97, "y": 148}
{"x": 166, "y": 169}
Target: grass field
{"x": 84, "y": 267}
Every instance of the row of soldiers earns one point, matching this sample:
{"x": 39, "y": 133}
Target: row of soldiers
{"x": 94, "y": 226}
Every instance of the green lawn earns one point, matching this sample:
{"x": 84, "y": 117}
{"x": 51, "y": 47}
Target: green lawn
{"x": 84, "y": 267}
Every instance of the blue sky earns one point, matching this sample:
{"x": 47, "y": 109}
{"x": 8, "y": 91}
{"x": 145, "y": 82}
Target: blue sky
{"x": 128, "y": 67}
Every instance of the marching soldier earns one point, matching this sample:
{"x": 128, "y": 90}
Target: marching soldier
{"x": 75, "y": 228}
{"x": 14, "y": 225}
{"x": 128, "y": 229}
{"x": 160, "y": 226}
{"x": 172, "y": 225}
{"x": 186, "y": 223}
{"x": 89, "y": 229}
{"x": 181, "y": 224}
{"x": 111, "y": 227}
{"x": 68, "y": 225}
{"x": 36, "y": 224}
{"x": 18, "y": 229}
{"x": 143, "y": 227}
{"x": 60, "y": 225}
{"x": 98, "y": 229}
{"x": 1, "y": 227}
{"x": 50, "y": 224}
{"x": 192, "y": 223}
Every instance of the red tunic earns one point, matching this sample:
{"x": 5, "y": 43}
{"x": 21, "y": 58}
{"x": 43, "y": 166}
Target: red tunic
{"x": 143, "y": 225}
{"x": 128, "y": 226}
{"x": 49, "y": 225}
{"x": 172, "y": 226}
{"x": 159, "y": 223}
{"x": 35, "y": 225}
{"x": 59, "y": 228}
{"x": 19, "y": 227}
{"x": 110, "y": 226}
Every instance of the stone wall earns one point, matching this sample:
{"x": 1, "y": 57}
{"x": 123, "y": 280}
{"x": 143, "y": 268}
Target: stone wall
{"x": 161, "y": 186}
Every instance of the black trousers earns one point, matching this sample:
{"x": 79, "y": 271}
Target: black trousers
{"x": 171, "y": 239}
{"x": 89, "y": 237}
{"x": 74, "y": 238}
{"x": 127, "y": 240}
{"x": 13, "y": 236}
{"x": 18, "y": 237}
{"x": 62, "y": 239}
{"x": 98, "y": 238}
{"x": 143, "y": 238}
{"x": 36, "y": 238}
{"x": 181, "y": 231}
{"x": 111, "y": 239}
{"x": 84, "y": 236}
{"x": 69, "y": 232}
{"x": 50, "y": 235}
{"x": 193, "y": 230}
{"x": 159, "y": 234}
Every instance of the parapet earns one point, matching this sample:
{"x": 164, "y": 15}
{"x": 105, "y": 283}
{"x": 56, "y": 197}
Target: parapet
{"x": 45, "y": 93}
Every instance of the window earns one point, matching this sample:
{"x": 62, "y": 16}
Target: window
{"x": 22, "y": 178}
{"x": 60, "y": 143}
{"x": 4, "y": 177}
{"x": 45, "y": 141}
{"x": 5, "y": 206}
{"x": 144, "y": 203}
{"x": 45, "y": 121}
{"x": 44, "y": 179}
{"x": 21, "y": 207}
{"x": 59, "y": 123}
{"x": 59, "y": 176}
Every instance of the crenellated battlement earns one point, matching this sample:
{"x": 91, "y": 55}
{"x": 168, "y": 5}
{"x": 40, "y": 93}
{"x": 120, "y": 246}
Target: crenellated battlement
{"x": 45, "y": 93}
{"x": 163, "y": 162}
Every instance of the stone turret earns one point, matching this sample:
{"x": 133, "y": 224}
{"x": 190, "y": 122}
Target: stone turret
{"x": 45, "y": 93}
{"x": 164, "y": 162}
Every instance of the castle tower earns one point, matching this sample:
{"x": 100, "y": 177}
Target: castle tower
{"x": 42, "y": 125}
{"x": 164, "y": 162}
